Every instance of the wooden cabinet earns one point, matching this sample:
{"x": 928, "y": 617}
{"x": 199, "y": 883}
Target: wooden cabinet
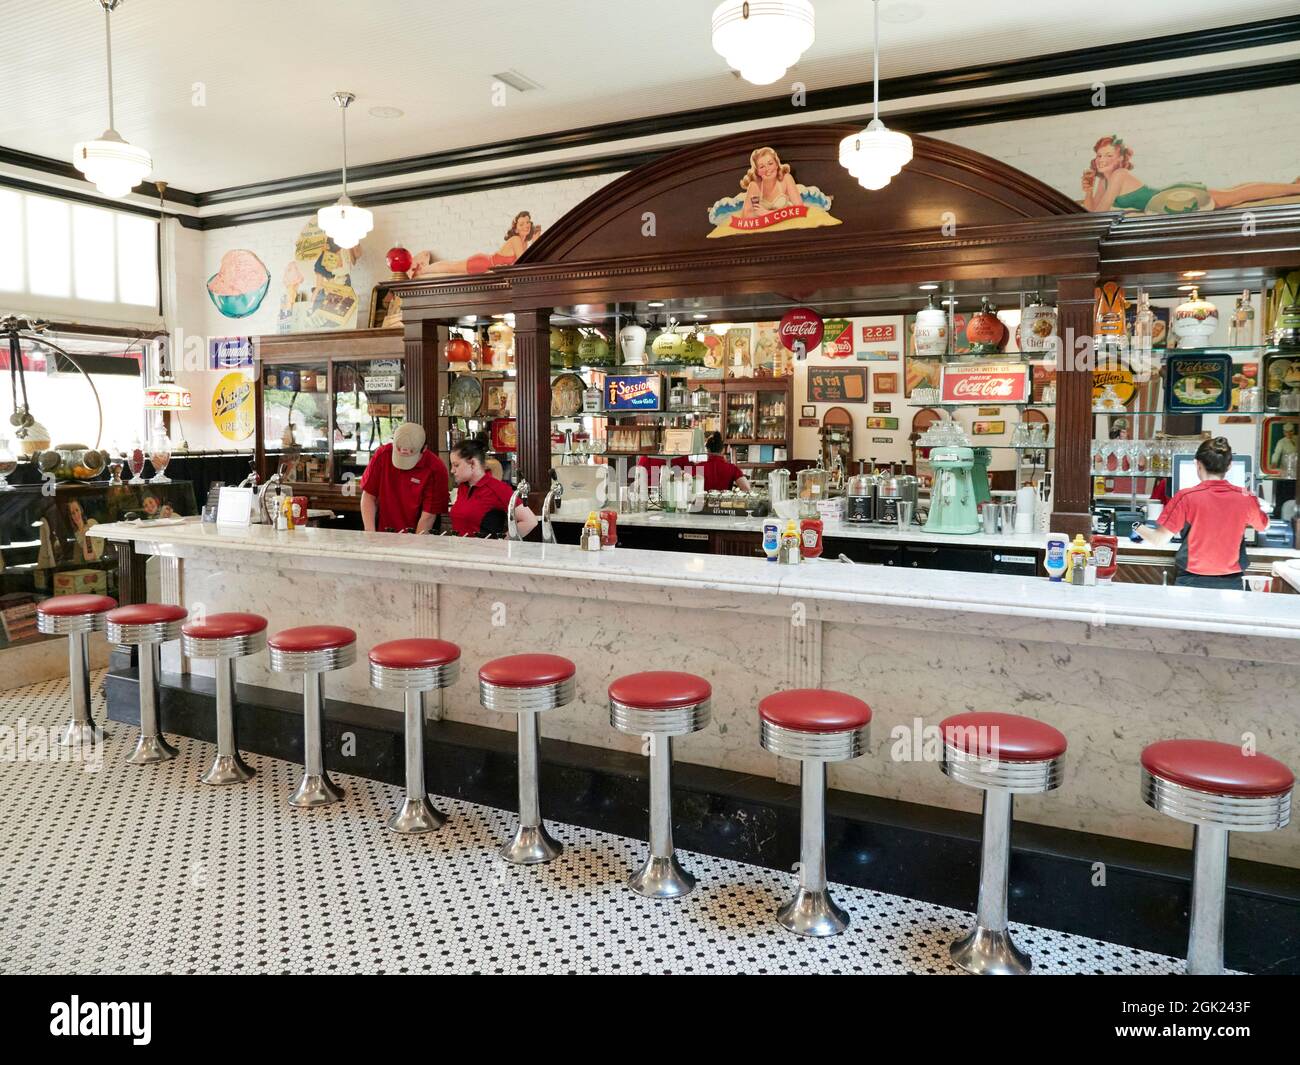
{"x": 745, "y": 545}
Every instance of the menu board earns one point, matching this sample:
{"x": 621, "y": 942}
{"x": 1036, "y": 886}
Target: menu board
{"x": 837, "y": 384}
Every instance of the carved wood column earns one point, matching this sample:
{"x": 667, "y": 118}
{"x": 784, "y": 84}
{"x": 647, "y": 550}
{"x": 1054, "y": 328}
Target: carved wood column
{"x": 1075, "y": 301}
{"x": 533, "y": 376}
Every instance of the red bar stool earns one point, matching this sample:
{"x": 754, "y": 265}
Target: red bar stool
{"x": 226, "y": 638}
{"x": 311, "y": 650}
{"x": 415, "y": 667}
{"x": 147, "y": 626}
{"x": 660, "y": 705}
{"x": 76, "y": 617}
{"x": 526, "y": 685}
{"x": 816, "y": 726}
{"x": 1220, "y": 789}
{"x": 1004, "y": 755}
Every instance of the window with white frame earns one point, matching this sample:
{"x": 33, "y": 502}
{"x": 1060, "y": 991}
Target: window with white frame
{"x": 56, "y": 251}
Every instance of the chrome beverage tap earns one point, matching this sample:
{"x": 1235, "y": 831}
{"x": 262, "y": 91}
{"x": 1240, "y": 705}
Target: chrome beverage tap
{"x": 512, "y": 526}
{"x": 554, "y": 495}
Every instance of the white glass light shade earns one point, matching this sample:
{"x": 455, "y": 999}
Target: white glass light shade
{"x": 114, "y": 166}
{"x": 875, "y": 155}
{"x": 762, "y": 38}
{"x": 345, "y": 223}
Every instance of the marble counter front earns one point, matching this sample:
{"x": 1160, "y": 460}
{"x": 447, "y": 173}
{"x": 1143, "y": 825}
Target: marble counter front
{"x": 1113, "y": 667}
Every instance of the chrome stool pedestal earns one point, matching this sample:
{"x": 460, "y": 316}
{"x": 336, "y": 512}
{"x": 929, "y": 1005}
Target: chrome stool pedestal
{"x": 816, "y": 726}
{"x": 415, "y": 667}
{"x": 225, "y": 638}
{"x": 76, "y": 617}
{"x": 660, "y": 705}
{"x": 527, "y": 685}
{"x": 1219, "y": 789}
{"x": 311, "y": 650}
{"x": 1004, "y": 755}
{"x": 147, "y": 626}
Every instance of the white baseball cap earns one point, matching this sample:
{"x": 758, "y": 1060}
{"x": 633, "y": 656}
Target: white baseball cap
{"x": 408, "y": 437}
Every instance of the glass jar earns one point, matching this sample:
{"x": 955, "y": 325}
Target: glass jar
{"x": 160, "y": 454}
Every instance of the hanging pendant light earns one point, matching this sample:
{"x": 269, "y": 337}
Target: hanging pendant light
{"x": 344, "y": 222}
{"x": 876, "y": 154}
{"x": 762, "y": 38}
{"x": 114, "y": 166}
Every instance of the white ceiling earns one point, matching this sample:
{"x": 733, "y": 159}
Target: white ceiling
{"x": 268, "y": 67}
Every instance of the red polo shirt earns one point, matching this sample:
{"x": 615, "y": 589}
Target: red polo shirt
{"x": 473, "y": 502}
{"x": 404, "y": 494}
{"x": 1212, "y": 518}
{"x": 719, "y": 474}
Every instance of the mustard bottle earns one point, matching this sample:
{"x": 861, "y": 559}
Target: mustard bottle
{"x": 1076, "y": 559}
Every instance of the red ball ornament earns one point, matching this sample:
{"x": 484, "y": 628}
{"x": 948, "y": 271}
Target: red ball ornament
{"x": 399, "y": 261}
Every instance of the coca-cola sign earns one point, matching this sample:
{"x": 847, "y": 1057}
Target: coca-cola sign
{"x": 987, "y": 383}
{"x": 801, "y": 331}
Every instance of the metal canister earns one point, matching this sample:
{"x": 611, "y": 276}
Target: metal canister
{"x": 860, "y": 498}
{"x": 894, "y": 487}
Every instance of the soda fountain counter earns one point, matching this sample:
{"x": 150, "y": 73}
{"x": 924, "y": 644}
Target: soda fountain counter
{"x": 1114, "y": 667}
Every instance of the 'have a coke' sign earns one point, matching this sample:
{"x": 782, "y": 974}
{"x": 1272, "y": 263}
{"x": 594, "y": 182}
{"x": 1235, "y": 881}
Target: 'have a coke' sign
{"x": 987, "y": 383}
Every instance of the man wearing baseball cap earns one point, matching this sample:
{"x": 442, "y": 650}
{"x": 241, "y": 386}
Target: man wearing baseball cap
{"x": 404, "y": 488}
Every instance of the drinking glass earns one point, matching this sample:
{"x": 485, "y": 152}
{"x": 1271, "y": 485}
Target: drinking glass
{"x": 135, "y": 462}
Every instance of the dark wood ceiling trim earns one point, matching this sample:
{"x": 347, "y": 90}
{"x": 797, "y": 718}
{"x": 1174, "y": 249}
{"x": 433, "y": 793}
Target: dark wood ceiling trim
{"x": 58, "y": 168}
{"x": 920, "y": 120}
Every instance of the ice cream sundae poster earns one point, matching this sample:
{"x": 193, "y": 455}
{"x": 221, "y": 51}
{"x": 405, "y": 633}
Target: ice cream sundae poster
{"x": 770, "y": 201}
{"x": 318, "y": 292}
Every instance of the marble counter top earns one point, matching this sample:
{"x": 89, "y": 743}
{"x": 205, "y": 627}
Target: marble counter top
{"x": 1289, "y": 572}
{"x": 884, "y": 533}
{"x": 614, "y": 574}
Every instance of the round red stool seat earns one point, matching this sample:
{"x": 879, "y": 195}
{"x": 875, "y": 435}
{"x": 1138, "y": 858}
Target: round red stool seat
{"x": 64, "y": 606}
{"x": 527, "y": 671}
{"x": 814, "y": 710}
{"x": 224, "y": 626}
{"x": 312, "y": 638}
{"x": 660, "y": 690}
{"x": 1217, "y": 768}
{"x": 1004, "y": 737}
{"x": 660, "y": 702}
{"x": 414, "y": 654}
{"x": 146, "y": 614}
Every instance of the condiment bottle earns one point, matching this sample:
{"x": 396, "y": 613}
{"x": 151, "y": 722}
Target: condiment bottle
{"x": 1105, "y": 550}
{"x": 590, "y": 538}
{"x": 1076, "y": 559}
{"x": 609, "y": 528}
{"x": 772, "y": 539}
{"x": 810, "y": 537}
{"x": 1054, "y": 557}
{"x": 789, "y": 544}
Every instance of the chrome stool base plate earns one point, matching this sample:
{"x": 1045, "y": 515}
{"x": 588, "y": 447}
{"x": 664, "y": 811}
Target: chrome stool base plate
{"x": 227, "y": 769}
{"x": 812, "y": 913}
{"x": 152, "y": 750}
{"x": 987, "y": 953}
{"x": 416, "y": 817}
{"x": 531, "y": 846}
{"x": 316, "y": 791}
{"x": 81, "y": 734}
{"x": 661, "y": 878}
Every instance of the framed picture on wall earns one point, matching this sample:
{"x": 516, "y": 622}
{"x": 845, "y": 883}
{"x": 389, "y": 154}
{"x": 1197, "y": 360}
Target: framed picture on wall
{"x": 1279, "y": 446}
{"x": 807, "y": 411}
{"x": 988, "y": 428}
{"x": 886, "y": 383}
{"x": 882, "y": 407}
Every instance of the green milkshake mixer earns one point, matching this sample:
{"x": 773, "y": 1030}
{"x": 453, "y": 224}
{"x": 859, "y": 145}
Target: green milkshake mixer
{"x": 953, "y": 507}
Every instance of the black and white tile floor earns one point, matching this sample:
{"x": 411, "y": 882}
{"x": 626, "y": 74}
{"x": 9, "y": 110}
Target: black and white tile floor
{"x": 116, "y": 868}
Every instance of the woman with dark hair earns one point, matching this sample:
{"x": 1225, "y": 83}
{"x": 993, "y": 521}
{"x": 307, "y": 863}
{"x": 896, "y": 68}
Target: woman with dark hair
{"x": 522, "y": 232}
{"x": 719, "y": 474}
{"x": 481, "y": 499}
{"x": 1212, "y": 518}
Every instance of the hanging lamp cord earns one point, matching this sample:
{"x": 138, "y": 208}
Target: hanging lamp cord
{"x": 108, "y": 52}
{"x": 343, "y": 107}
{"x": 875, "y": 65}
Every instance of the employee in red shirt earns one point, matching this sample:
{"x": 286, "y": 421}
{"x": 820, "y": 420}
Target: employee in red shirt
{"x": 404, "y": 487}
{"x": 719, "y": 474}
{"x": 1212, "y": 517}
{"x": 481, "y": 499}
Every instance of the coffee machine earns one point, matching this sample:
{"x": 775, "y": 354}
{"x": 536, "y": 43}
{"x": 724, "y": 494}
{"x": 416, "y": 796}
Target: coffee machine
{"x": 953, "y": 508}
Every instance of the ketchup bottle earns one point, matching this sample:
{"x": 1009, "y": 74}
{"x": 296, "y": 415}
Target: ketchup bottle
{"x": 810, "y": 537}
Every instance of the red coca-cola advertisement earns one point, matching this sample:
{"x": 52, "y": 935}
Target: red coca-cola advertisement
{"x": 987, "y": 383}
{"x": 801, "y": 331}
